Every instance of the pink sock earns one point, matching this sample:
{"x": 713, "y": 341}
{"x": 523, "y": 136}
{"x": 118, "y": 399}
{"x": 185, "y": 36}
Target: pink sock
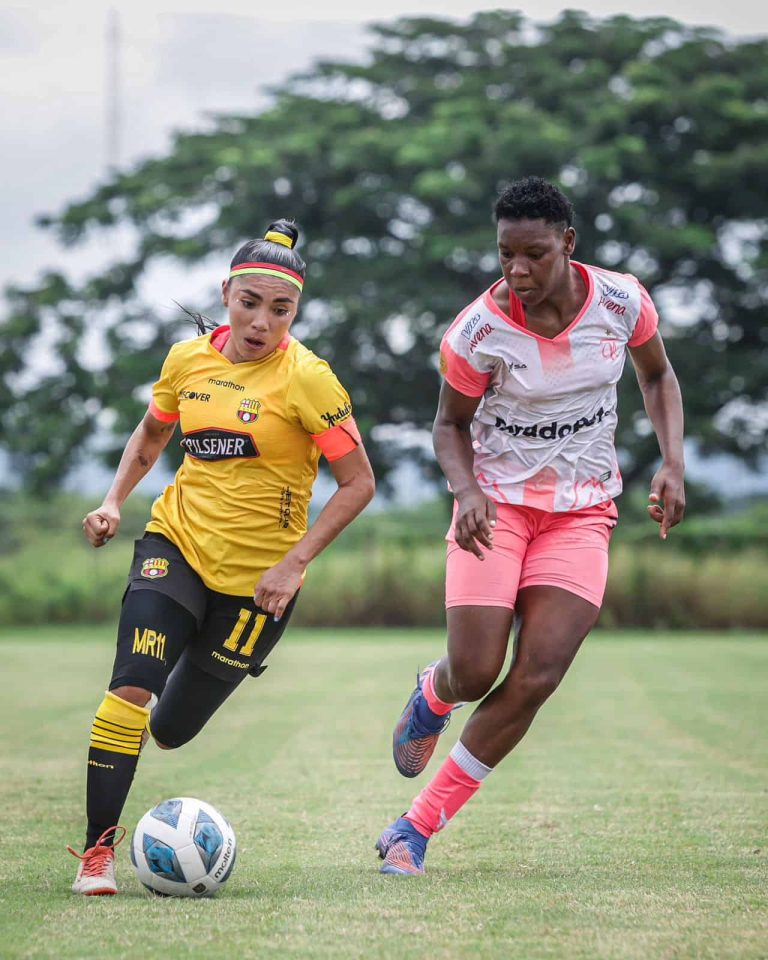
{"x": 448, "y": 791}
{"x": 435, "y": 704}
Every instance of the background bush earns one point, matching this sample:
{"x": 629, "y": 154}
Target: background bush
{"x": 387, "y": 569}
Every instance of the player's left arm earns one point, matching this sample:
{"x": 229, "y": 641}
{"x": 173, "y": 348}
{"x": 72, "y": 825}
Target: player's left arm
{"x": 664, "y": 406}
{"x": 355, "y": 489}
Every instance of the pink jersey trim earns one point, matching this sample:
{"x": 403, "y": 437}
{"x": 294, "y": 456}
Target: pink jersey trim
{"x": 460, "y": 374}
{"x": 539, "y": 490}
{"x": 339, "y": 440}
{"x": 159, "y": 414}
{"x": 517, "y": 311}
{"x": 220, "y": 337}
{"x": 555, "y": 355}
{"x": 514, "y": 321}
{"x": 648, "y": 321}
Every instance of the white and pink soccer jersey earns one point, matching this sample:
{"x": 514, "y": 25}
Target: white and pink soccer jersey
{"x": 543, "y": 433}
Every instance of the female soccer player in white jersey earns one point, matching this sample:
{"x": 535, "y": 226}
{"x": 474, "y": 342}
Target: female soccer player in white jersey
{"x": 215, "y": 578}
{"x": 524, "y": 435}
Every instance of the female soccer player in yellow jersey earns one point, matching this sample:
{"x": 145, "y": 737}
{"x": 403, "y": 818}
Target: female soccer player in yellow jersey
{"x": 215, "y": 578}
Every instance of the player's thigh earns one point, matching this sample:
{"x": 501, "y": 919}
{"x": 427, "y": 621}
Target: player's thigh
{"x": 570, "y": 551}
{"x": 552, "y": 623}
{"x": 480, "y": 599}
{"x": 236, "y": 637}
{"x": 152, "y": 632}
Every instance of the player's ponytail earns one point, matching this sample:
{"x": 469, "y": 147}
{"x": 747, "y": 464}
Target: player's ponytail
{"x": 202, "y": 323}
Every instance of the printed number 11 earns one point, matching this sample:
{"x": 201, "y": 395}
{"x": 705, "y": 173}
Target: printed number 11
{"x": 242, "y": 621}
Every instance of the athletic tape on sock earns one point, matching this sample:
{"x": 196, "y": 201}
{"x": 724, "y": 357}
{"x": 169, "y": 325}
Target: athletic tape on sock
{"x": 469, "y": 764}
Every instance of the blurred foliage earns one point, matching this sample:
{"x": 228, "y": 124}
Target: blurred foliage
{"x": 388, "y": 569}
{"x": 655, "y": 129}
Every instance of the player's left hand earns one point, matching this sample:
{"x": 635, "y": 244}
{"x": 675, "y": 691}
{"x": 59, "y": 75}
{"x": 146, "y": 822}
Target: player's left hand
{"x": 277, "y": 587}
{"x": 666, "y": 501}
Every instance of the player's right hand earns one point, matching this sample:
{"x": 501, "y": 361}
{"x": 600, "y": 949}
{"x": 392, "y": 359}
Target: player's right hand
{"x": 475, "y": 520}
{"x": 100, "y": 525}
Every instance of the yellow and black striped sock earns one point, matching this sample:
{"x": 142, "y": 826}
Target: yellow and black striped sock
{"x": 116, "y": 738}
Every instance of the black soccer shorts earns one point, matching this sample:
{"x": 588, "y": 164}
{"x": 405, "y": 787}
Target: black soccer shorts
{"x": 169, "y": 613}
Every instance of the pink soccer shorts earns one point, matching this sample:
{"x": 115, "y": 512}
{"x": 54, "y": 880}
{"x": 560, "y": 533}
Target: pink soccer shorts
{"x": 533, "y": 548}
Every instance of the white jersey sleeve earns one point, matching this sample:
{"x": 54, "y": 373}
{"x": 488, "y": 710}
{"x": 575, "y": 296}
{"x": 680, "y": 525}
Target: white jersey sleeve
{"x": 464, "y": 367}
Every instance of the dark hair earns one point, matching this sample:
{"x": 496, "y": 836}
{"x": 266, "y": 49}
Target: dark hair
{"x": 258, "y": 251}
{"x": 271, "y": 251}
{"x": 533, "y": 198}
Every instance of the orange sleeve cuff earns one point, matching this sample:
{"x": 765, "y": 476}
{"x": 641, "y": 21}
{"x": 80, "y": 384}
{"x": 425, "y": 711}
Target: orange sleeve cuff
{"x": 339, "y": 440}
{"x": 648, "y": 321}
{"x": 460, "y": 374}
{"x": 159, "y": 414}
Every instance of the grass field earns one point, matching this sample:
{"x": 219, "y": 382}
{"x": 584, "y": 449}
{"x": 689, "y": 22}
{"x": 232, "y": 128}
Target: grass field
{"x": 630, "y": 823}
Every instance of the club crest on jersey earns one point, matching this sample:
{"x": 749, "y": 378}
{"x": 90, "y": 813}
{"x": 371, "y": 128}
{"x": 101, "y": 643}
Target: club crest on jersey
{"x": 154, "y": 568}
{"x": 249, "y": 410}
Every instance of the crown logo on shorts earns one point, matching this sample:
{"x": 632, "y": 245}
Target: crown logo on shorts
{"x": 249, "y": 410}
{"x": 154, "y": 567}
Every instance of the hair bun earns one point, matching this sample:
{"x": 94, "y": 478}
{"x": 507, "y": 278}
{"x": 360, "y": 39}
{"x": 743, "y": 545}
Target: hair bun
{"x": 283, "y": 232}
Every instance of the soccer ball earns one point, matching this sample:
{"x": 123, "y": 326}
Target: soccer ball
{"x": 183, "y": 848}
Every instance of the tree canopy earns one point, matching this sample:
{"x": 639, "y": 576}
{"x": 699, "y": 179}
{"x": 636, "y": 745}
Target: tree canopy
{"x": 657, "y": 132}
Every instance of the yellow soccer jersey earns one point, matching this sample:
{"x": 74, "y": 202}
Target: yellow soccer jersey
{"x": 252, "y": 435}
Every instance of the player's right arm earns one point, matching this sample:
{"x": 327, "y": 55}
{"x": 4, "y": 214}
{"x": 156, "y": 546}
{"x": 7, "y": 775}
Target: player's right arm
{"x": 145, "y": 445}
{"x": 452, "y": 440}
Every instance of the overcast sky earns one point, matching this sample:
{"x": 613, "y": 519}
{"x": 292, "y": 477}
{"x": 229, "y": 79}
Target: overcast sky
{"x": 180, "y": 59}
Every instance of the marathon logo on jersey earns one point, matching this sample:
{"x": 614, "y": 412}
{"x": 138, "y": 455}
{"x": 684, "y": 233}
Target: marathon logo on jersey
{"x": 469, "y": 326}
{"x": 341, "y": 413}
{"x": 553, "y": 430}
{"x": 225, "y": 383}
{"x": 194, "y": 395}
{"x": 154, "y": 568}
{"x": 478, "y": 336}
{"x": 216, "y": 444}
{"x": 249, "y": 410}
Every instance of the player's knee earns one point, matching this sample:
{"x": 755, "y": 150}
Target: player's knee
{"x": 537, "y": 682}
{"x": 138, "y": 696}
{"x": 468, "y": 685}
{"x": 168, "y": 737}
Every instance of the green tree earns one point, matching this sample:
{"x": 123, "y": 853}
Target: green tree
{"x": 656, "y": 130}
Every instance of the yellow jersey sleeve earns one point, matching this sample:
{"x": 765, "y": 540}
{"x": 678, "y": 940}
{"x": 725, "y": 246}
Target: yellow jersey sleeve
{"x": 322, "y": 406}
{"x": 165, "y": 398}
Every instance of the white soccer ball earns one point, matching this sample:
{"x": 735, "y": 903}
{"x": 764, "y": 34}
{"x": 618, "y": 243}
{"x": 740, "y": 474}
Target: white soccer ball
{"x": 183, "y": 848}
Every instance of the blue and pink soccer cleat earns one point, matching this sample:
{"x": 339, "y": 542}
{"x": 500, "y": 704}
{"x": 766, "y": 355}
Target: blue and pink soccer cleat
{"x": 418, "y": 729}
{"x": 402, "y": 848}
